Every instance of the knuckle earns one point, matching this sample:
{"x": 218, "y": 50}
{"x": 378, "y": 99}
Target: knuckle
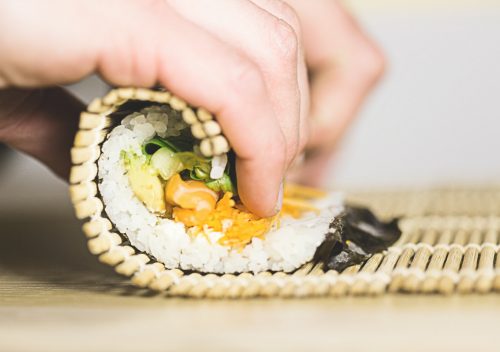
{"x": 285, "y": 41}
{"x": 245, "y": 77}
{"x": 288, "y": 13}
{"x": 373, "y": 63}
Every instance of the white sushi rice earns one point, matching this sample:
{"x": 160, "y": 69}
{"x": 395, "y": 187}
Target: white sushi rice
{"x": 283, "y": 249}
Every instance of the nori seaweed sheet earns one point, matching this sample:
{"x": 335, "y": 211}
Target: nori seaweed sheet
{"x": 354, "y": 236}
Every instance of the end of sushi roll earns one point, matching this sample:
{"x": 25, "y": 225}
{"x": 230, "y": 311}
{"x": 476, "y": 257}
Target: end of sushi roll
{"x": 180, "y": 206}
{"x": 165, "y": 175}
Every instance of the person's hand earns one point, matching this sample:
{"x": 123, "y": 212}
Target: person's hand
{"x": 240, "y": 59}
{"x": 344, "y": 65}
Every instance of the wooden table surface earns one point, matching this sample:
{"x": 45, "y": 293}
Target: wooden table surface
{"x": 54, "y": 296}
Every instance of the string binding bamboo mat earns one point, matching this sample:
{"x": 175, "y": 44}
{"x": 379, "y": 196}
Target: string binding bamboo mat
{"x": 450, "y": 240}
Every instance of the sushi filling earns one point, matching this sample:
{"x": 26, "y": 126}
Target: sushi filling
{"x": 151, "y": 161}
{"x": 174, "y": 180}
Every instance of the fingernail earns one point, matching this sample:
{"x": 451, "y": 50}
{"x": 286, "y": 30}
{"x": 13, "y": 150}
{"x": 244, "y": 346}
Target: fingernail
{"x": 279, "y": 203}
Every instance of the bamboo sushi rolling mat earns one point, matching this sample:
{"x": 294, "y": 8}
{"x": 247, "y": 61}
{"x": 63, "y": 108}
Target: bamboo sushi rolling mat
{"x": 449, "y": 242}
{"x": 55, "y": 296}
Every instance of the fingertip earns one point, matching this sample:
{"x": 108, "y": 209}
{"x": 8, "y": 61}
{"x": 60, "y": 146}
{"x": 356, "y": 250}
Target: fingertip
{"x": 260, "y": 191}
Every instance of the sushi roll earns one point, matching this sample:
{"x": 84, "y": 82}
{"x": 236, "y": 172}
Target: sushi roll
{"x": 155, "y": 175}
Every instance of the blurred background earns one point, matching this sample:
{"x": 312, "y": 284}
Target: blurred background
{"x": 433, "y": 121}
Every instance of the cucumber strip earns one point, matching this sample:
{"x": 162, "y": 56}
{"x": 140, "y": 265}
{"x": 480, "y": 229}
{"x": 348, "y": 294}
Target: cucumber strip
{"x": 221, "y": 184}
{"x": 166, "y": 163}
{"x": 153, "y": 145}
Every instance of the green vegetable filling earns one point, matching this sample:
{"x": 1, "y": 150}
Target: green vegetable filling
{"x": 169, "y": 157}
